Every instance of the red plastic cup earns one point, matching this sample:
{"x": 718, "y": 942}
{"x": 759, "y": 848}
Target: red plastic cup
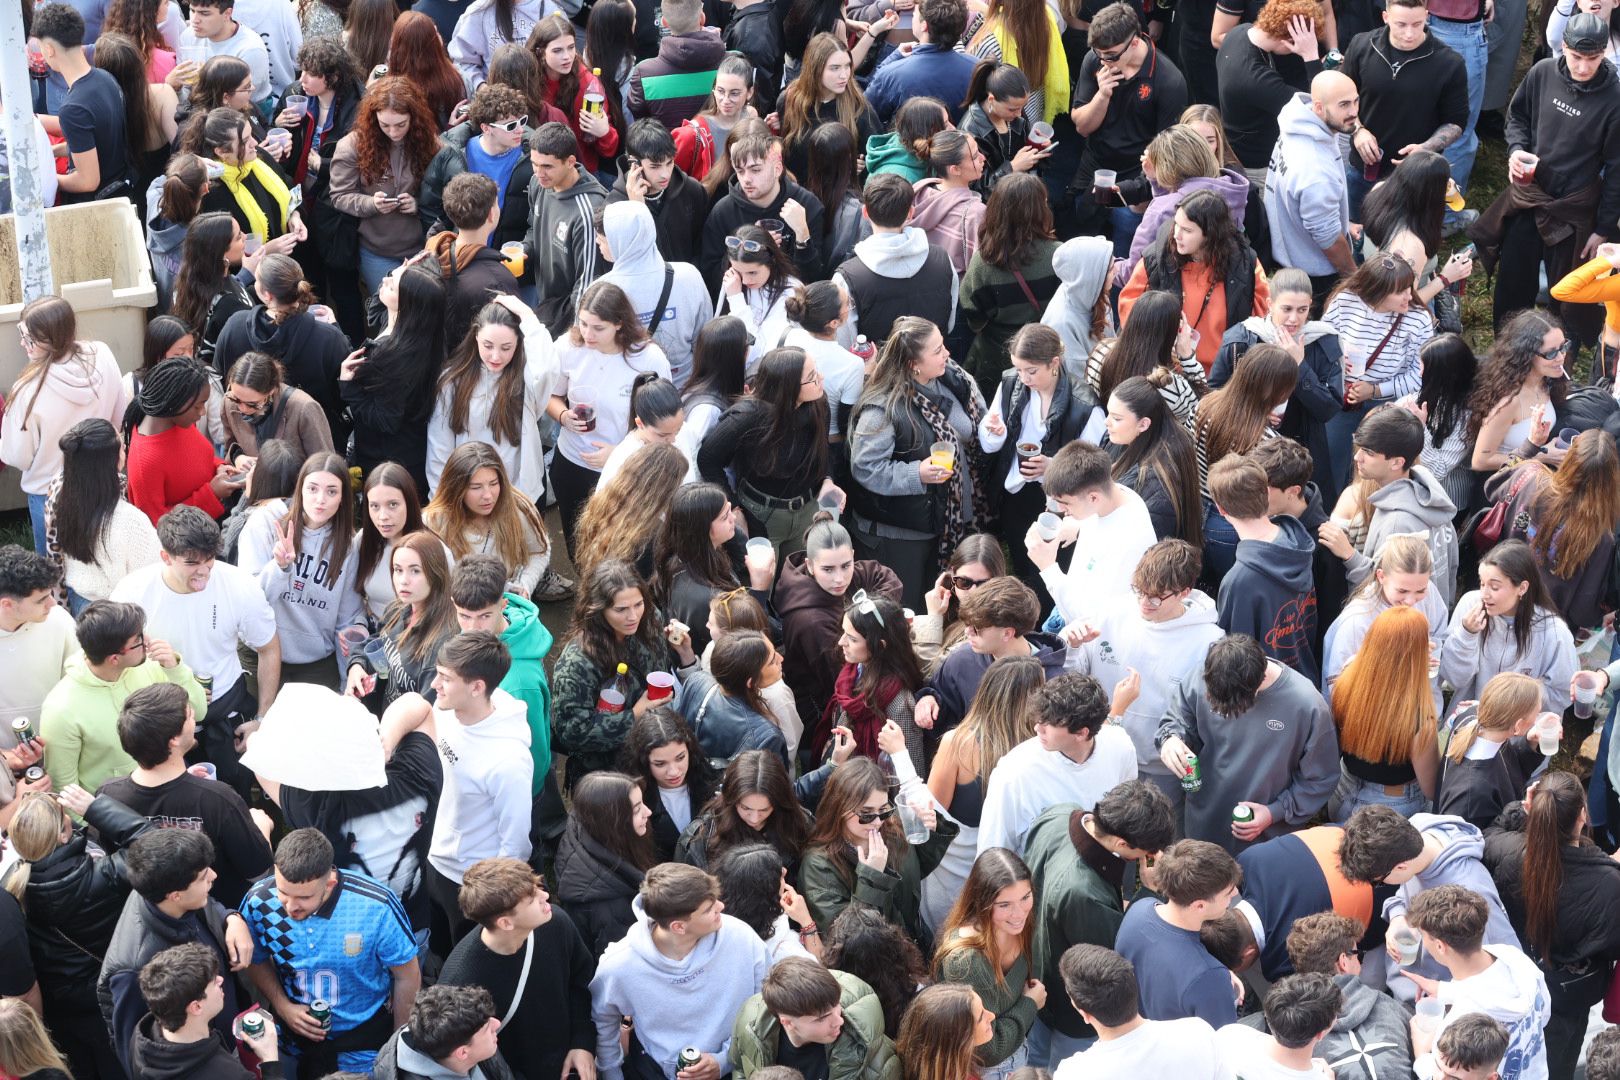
{"x": 660, "y": 686}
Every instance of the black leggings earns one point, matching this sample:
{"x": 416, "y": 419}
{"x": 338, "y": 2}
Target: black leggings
{"x": 573, "y": 485}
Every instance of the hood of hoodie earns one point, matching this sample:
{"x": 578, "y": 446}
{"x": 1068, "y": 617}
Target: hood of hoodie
{"x": 585, "y": 184}
{"x": 1082, "y": 264}
{"x": 894, "y": 255}
{"x": 286, "y": 338}
{"x": 409, "y": 1059}
{"x": 1420, "y": 495}
{"x": 163, "y": 237}
{"x": 155, "y": 1058}
{"x": 935, "y": 202}
{"x": 1462, "y": 841}
{"x": 886, "y": 153}
{"x": 1604, "y": 78}
{"x": 785, "y": 189}
{"x": 1299, "y": 120}
{"x": 632, "y": 236}
{"x": 79, "y": 672}
{"x": 1266, "y": 330}
{"x": 1517, "y": 987}
{"x": 641, "y": 943}
{"x": 1232, "y": 186}
{"x": 453, "y": 258}
{"x": 701, "y": 50}
{"x": 508, "y": 721}
{"x": 1286, "y": 559}
{"x": 798, "y": 591}
{"x": 1201, "y": 612}
{"x": 1359, "y": 1002}
{"x": 526, "y": 637}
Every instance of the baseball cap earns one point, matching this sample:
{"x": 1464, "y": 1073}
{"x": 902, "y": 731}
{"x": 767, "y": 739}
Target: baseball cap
{"x": 1586, "y": 34}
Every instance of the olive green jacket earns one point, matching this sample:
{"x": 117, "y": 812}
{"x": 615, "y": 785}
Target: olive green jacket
{"x": 861, "y": 1052}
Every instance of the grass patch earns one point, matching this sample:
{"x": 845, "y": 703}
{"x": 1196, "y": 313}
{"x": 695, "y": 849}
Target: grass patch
{"x": 15, "y": 528}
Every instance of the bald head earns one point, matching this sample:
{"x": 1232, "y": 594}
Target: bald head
{"x": 1335, "y": 99}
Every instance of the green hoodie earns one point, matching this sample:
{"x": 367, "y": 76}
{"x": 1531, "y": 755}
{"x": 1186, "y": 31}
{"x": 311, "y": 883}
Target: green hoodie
{"x": 528, "y": 640}
{"x": 885, "y": 154}
{"x": 79, "y": 720}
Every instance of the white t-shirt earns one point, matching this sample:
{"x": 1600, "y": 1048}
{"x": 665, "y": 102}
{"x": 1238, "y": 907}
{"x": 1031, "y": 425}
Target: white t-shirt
{"x": 1105, "y": 557}
{"x": 204, "y": 627}
{"x": 1184, "y": 1049}
{"x": 276, "y": 23}
{"x": 1029, "y": 779}
{"x": 609, "y": 376}
{"x": 33, "y": 657}
{"x": 842, "y": 372}
{"x": 1246, "y": 1053}
{"x": 247, "y": 46}
{"x": 629, "y": 446}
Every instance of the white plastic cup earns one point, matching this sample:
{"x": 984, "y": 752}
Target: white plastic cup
{"x": 1586, "y": 692}
{"x": 829, "y": 502}
{"x": 759, "y": 552}
{"x": 1040, "y": 134}
{"x": 911, "y": 820}
{"x": 1549, "y": 733}
{"x": 1410, "y": 945}
{"x": 1429, "y": 1013}
{"x": 1529, "y": 161}
{"x": 297, "y": 104}
{"x": 1047, "y": 525}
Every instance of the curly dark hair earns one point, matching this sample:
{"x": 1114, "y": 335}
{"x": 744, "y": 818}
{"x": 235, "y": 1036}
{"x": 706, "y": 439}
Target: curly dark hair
{"x": 751, "y": 886}
{"x": 1513, "y": 357}
{"x": 871, "y": 948}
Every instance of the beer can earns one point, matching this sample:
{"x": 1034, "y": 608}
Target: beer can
{"x": 207, "y": 684}
{"x": 1193, "y": 779}
{"x": 33, "y": 774}
{"x": 253, "y": 1024}
{"x": 1242, "y": 814}
{"x": 321, "y": 1013}
{"x": 23, "y": 729}
{"x": 689, "y": 1057}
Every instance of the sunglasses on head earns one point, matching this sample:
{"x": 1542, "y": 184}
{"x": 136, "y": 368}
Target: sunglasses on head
{"x": 736, "y": 244}
{"x": 866, "y": 605}
{"x": 866, "y": 817}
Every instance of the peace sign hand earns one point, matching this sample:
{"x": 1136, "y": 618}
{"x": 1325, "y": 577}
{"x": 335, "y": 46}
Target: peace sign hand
{"x": 284, "y": 551}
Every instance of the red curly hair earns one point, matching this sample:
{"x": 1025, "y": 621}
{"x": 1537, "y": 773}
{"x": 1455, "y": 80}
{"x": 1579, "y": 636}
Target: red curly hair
{"x": 417, "y": 53}
{"x": 393, "y": 94}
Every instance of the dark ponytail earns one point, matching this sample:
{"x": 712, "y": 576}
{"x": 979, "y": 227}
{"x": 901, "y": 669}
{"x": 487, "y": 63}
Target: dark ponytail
{"x": 283, "y": 279}
{"x": 653, "y": 398}
{"x": 1002, "y": 81}
{"x": 1549, "y": 824}
{"x": 182, "y": 194}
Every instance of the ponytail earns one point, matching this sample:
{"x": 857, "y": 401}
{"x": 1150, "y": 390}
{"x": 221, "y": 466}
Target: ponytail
{"x": 1549, "y": 824}
{"x": 997, "y": 80}
{"x": 1508, "y": 698}
{"x": 183, "y": 185}
{"x": 653, "y": 399}
{"x": 283, "y": 279}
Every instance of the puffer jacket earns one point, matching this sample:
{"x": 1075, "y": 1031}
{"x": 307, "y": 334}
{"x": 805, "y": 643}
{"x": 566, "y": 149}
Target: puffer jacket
{"x": 896, "y": 892}
{"x": 73, "y": 901}
{"x": 595, "y": 887}
{"x": 861, "y": 1052}
{"x": 1232, "y": 186}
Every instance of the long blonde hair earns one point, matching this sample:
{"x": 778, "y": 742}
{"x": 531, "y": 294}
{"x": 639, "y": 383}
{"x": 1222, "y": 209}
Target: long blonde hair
{"x": 1385, "y": 689}
{"x": 1403, "y": 553}
{"x": 1000, "y": 716}
{"x": 650, "y": 477}
{"x": 36, "y": 830}
{"x": 514, "y": 515}
{"x": 25, "y": 1045}
{"x": 1508, "y": 698}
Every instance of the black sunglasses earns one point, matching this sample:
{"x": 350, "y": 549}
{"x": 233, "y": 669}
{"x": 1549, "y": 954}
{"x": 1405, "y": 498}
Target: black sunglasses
{"x": 866, "y": 817}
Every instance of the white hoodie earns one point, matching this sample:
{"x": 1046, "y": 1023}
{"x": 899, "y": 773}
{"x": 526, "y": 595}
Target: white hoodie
{"x": 638, "y": 269}
{"x": 85, "y": 386}
{"x": 891, "y": 255}
{"x": 1512, "y": 990}
{"x": 485, "y": 802}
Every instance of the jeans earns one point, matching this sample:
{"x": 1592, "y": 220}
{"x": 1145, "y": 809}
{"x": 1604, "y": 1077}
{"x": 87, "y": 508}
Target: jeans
{"x": 36, "y": 517}
{"x": 1015, "y": 1061}
{"x": 1353, "y": 793}
{"x": 1341, "y": 431}
{"x": 1047, "y": 1048}
{"x": 1220, "y": 544}
{"x": 1356, "y": 186}
{"x": 1468, "y": 39}
{"x": 375, "y": 267}
{"x": 1125, "y": 221}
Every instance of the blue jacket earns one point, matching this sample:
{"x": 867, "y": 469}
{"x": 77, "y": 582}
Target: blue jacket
{"x": 929, "y": 71}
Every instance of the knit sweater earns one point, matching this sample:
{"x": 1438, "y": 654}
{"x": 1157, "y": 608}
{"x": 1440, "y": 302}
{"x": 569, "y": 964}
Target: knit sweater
{"x": 170, "y": 468}
{"x": 128, "y": 543}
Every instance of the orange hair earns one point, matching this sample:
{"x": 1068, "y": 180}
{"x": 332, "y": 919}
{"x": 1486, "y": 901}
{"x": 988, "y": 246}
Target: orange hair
{"x": 1385, "y": 689}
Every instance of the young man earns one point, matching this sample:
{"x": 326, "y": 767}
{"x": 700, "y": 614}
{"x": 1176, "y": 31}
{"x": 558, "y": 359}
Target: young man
{"x": 759, "y": 191}
{"x": 1078, "y": 859}
{"x": 483, "y": 740}
{"x": 1178, "y": 975}
{"x": 186, "y": 993}
{"x": 1369, "y": 1040}
{"x": 470, "y": 263}
{"x": 337, "y": 935}
{"x": 1405, "y": 498}
{"x": 489, "y": 143}
{"x": 1076, "y": 756}
{"x": 1296, "y": 487}
{"x": 675, "y": 84}
{"x": 37, "y": 640}
{"x": 560, "y": 243}
{"x": 670, "y": 297}
{"x": 1498, "y": 980}
{"x": 1283, "y": 779}
{"x": 214, "y": 26}
{"x": 79, "y": 718}
{"x": 1381, "y": 847}
{"x": 1107, "y": 522}
{"x": 683, "y": 971}
{"x": 1473, "y": 1047}
{"x": 170, "y": 873}
{"x": 1102, "y": 988}
{"x": 895, "y": 271}
{"x": 1000, "y": 617}
{"x": 826, "y": 1024}
{"x": 91, "y": 118}
{"x": 453, "y": 1031}
{"x": 206, "y": 608}
{"x": 933, "y": 68}
{"x": 1307, "y": 202}
{"x": 549, "y": 1001}
{"x": 1160, "y": 633}
{"x": 1300, "y": 1012}
{"x": 753, "y": 31}
{"x": 157, "y": 728}
{"x": 677, "y": 202}
{"x": 1269, "y": 593}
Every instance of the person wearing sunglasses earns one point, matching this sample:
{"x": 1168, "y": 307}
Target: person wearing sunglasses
{"x": 858, "y": 851}
{"x": 260, "y": 406}
{"x": 1373, "y": 1028}
{"x": 490, "y": 143}
{"x": 938, "y": 629}
{"x": 755, "y": 287}
{"x": 1519, "y": 394}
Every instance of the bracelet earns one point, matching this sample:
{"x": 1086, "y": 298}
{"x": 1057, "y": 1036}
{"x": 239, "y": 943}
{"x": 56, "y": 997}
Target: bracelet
{"x": 809, "y": 930}
{"x": 1443, "y": 279}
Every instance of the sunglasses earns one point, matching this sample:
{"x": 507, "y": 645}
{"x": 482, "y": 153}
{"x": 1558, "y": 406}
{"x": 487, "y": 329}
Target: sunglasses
{"x": 1556, "y": 352}
{"x": 1114, "y": 57}
{"x": 964, "y": 584}
{"x": 735, "y": 244}
{"x": 866, "y": 605}
{"x": 514, "y": 124}
{"x": 866, "y": 817}
{"x": 247, "y": 406}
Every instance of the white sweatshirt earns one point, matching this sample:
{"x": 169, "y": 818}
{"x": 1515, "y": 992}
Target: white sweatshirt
{"x": 485, "y": 803}
{"x": 85, "y": 386}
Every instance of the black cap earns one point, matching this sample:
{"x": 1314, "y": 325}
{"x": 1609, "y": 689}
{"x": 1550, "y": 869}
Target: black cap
{"x": 1586, "y": 34}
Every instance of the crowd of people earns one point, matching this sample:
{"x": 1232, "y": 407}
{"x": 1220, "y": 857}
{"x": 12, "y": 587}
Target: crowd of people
{"x": 894, "y": 540}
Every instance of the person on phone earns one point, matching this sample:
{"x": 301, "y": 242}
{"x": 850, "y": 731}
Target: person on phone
{"x": 651, "y": 177}
{"x": 184, "y": 991}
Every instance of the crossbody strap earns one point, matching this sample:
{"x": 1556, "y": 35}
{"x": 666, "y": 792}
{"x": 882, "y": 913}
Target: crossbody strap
{"x": 663, "y": 299}
{"x": 523, "y": 980}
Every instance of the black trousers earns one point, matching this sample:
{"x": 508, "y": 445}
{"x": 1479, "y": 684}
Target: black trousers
{"x": 573, "y": 485}
{"x": 446, "y": 924}
{"x": 1518, "y": 277}
{"x": 914, "y": 562}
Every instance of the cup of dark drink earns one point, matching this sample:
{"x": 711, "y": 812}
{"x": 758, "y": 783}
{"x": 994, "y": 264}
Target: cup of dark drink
{"x": 1029, "y": 449}
{"x": 1104, "y": 187}
{"x": 1040, "y": 134}
{"x": 1369, "y": 172}
{"x": 776, "y": 227}
{"x": 584, "y": 405}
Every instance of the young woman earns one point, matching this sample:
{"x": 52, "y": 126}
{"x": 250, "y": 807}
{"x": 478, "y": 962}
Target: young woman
{"x": 943, "y": 1031}
{"x": 1036, "y": 412}
{"x": 824, "y": 92}
{"x": 476, "y": 509}
{"x": 815, "y": 315}
{"x": 140, "y": 22}
{"x": 1010, "y": 279}
{"x": 518, "y": 68}
{"x": 1520, "y": 394}
{"x": 604, "y": 853}
{"x": 259, "y": 406}
{"x": 1028, "y": 37}
{"x": 936, "y": 630}
{"x": 996, "y": 101}
{"x": 1449, "y": 371}
{"x": 488, "y": 24}
{"x": 1158, "y": 344}
{"x": 167, "y": 337}
{"x": 755, "y": 288}
{"x": 699, "y": 141}
{"x": 987, "y": 943}
{"x": 607, "y": 348}
{"x": 616, "y": 639}
{"x": 149, "y": 107}
{"x": 1405, "y": 213}
{"x": 723, "y": 704}
{"x": 1401, "y": 579}
{"x": 329, "y": 82}
{"x": 403, "y": 656}
{"x": 1154, "y": 457}
{"x": 224, "y": 82}
{"x": 862, "y": 943}
{"x": 377, "y": 174}
{"x": 1208, "y": 263}
{"x": 656, "y": 417}
{"x": 650, "y": 479}
{"x": 878, "y": 682}
{"x": 172, "y": 201}
{"x": 252, "y": 189}
{"x": 1493, "y": 749}
{"x": 65, "y": 380}
{"x": 167, "y": 459}
{"x": 775, "y": 444}
{"x": 207, "y": 292}
{"x": 610, "y": 47}
{"x": 1384, "y": 710}
{"x": 366, "y": 34}
{"x": 1592, "y": 283}
{"x": 567, "y": 83}
{"x": 810, "y": 599}
{"x": 493, "y": 389}
{"x": 903, "y": 149}
{"x": 754, "y": 888}
{"x": 1314, "y": 345}
{"x": 274, "y": 478}
{"x": 393, "y": 511}
{"x": 676, "y": 778}
{"x": 858, "y": 852}
{"x": 98, "y": 535}
{"x": 389, "y": 383}
{"x": 1508, "y": 624}
{"x": 756, "y": 803}
{"x": 719, "y": 364}
{"x": 738, "y": 610}
{"x": 283, "y": 328}
{"x": 910, "y": 509}
{"x": 948, "y": 207}
{"x": 830, "y": 176}
{"x": 1177, "y": 163}
{"x": 26, "y": 1050}
{"x": 1562, "y": 895}
{"x": 698, "y": 557}
{"x": 417, "y": 54}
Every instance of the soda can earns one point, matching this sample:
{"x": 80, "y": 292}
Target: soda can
{"x": 1242, "y": 814}
{"x": 253, "y": 1024}
{"x": 321, "y": 1013}
{"x": 1194, "y": 777}
{"x": 207, "y": 684}
{"x": 689, "y": 1057}
{"x": 34, "y": 774}
{"x": 23, "y": 729}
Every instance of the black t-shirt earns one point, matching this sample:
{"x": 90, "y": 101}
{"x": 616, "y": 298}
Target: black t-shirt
{"x": 16, "y": 965}
{"x": 92, "y": 117}
{"x": 241, "y": 854}
{"x": 385, "y": 831}
{"x": 1255, "y": 85}
{"x": 1404, "y": 104}
{"x": 810, "y": 1059}
{"x": 1142, "y": 106}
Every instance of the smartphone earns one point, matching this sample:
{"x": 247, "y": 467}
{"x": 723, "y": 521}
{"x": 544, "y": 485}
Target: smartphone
{"x": 1468, "y": 251}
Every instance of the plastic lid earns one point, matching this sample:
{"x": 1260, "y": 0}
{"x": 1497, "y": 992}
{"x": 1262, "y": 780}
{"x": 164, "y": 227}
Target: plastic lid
{"x": 624, "y": 669}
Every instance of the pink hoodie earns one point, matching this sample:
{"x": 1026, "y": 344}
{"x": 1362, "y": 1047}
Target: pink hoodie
{"x": 951, "y": 218}
{"x": 85, "y": 386}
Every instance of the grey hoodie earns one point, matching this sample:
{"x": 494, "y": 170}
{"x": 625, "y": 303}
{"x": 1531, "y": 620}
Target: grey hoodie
{"x": 562, "y": 243}
{"x": 676, "y": 1003}
{"x": 892, "y": 255}
{"x": 1468, "y": 660}
{"x": 1413, "y": 504}
{"x": 1371, "y": 1039}
{"x": 311, "y": 599}
{"x": 1082, "y": 266}
{"x": 399, "y": 1060}
{"x": 638, "y": 269}
{"x": 1306, "y": 202}
{"x": 163, "y": 241}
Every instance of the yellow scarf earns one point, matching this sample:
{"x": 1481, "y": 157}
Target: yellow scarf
{"x": 1057, "y": 65}
{"x": 235, "y": 181}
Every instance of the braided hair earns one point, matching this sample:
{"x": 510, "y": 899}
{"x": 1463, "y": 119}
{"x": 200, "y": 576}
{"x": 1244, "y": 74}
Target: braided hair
{"x": 167, "y": 391}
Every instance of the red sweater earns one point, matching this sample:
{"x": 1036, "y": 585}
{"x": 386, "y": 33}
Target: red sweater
{"x": 590, "y": 153}
{"x": 172, "y": 468}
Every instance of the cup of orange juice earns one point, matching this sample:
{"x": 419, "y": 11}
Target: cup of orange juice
{"x": 943, "y": 454}
{"x": 513, "y": 255}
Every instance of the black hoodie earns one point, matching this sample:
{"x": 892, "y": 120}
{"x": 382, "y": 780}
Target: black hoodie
{"x": 310, "y": 350}
{"x": 152, "y": 1057}
{"x": 677, "y": 214}
{"x": 1270, "y": 595}
{"x": 734, "y": 209}
{"x": 1574, "y": 128}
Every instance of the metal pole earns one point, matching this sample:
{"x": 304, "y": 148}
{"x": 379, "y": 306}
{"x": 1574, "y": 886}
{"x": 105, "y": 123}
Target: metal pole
{"x": 34, "y": 256}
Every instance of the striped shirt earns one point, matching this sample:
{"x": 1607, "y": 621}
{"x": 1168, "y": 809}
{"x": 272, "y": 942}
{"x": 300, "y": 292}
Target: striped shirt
{"x": 1178, "y": 388}
{"x": 1397, "y": 369}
